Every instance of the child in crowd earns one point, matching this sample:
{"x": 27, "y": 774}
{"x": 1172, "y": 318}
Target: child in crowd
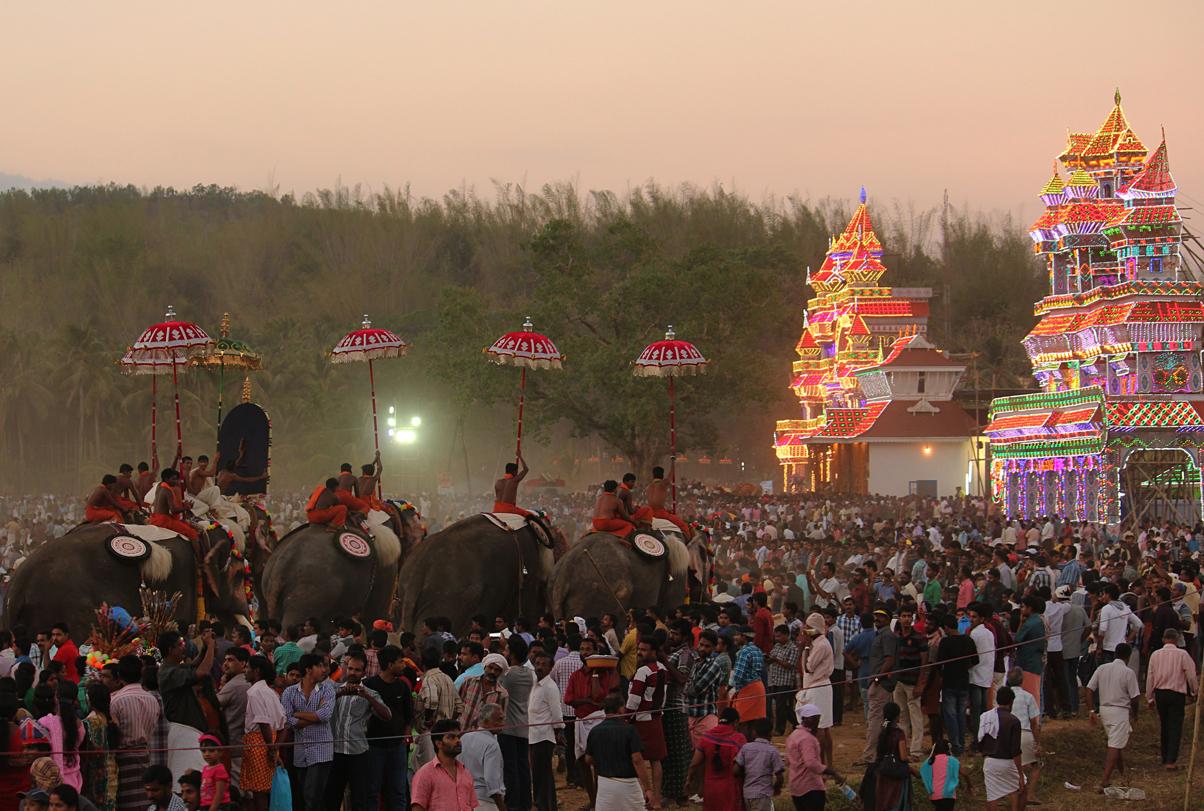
{"x": 941, "y": 774}
{"x": 761, "y": 767}
{"x": 215, "y": 779}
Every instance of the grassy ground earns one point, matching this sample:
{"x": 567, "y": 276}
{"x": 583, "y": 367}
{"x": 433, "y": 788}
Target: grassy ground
{"x": 1072, "y": 752}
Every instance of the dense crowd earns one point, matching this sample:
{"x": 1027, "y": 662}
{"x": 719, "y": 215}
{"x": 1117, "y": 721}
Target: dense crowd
{"x": 955, "y": 634}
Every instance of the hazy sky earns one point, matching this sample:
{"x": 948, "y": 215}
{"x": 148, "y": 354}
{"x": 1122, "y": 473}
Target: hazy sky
{"x": 771, "y": 98}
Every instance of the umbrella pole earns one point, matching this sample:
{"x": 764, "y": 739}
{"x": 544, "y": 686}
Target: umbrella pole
{"x": 175, "y": 384}
{"x": 522, "y": 399}
{"x": 673, "y": 444}
{"x": 375, "y": 430}
{"x": 154, "y": 420}
{"x": 221, "y": 389}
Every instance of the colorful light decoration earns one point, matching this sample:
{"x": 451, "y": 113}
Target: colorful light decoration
{"x": 1121, "y": 322}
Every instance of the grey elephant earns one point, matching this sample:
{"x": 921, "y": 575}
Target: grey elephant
{"x": 66, "y": 579}
{"x": 315, "y": 571}
{"x": 604, "y": 574}
{"x": 476, "y": 567}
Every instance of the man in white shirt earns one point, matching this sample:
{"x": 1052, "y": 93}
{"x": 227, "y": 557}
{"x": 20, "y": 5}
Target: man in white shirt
{"x": 1056, "y": 689}
{"x": 546, "y": 721}
{"x": 1116, "y": 624}
{"x": 1116, "y": 686}
{"x": 827, "y": 590}
{"x": 983, "y": 672}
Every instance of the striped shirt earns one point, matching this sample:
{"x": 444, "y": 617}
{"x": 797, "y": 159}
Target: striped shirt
{"x": 646, "y": 693}
{"x": 136, "y": 712}
{"x": 349, "y": 722}
{"x": 562, "y": 671}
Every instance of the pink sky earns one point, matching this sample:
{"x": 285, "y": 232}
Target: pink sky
{"x": 769, "y": 98}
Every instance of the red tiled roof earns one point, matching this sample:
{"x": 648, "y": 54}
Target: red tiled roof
{"x": 1146, "y": 215}
{"x": 1155, "y": 177}
{"x": 1109, "y": 133}
{"x": 807, "y": 379}
{"x": 950, "y": 420}
{"x": 1076, "y": 142}
{"x": 844, "y": 423}
{"x": 859, "y": 233}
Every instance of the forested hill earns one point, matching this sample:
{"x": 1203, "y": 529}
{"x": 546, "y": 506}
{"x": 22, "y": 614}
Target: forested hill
{"x": 84, "y": 270}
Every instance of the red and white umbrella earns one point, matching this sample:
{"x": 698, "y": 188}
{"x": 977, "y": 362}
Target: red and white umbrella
{"x": 671, "y": 358}
{"x": 525, "y": 349}
{"x": 162, "y": 349}
{"x": 369, "y": 343}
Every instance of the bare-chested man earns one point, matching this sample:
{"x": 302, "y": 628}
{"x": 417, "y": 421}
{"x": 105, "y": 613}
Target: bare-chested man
{"x": 323, "y": 506}
{"x": 125, "y": 494}
{"x": 346, "y": 491}
{"x": 609, "y": 513}
{"x": 626, "y": 493}
{"x": 167, "y": 506}
{"x": 505, "y": 489}
{"x": 657, "y": 493}
{"x": 145, "y": 481}
{"x": 198, "y": 477}
{"x": 102, "y": 503}
{"x": 369, "y": 480}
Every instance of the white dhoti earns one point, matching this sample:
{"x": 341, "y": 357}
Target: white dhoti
{"x": 582, "y": 729}
{"x": 1117, "y": 724}
{"x": 821, "y": 697}
{"x": 619, "y": 794}
{"x": 1000, "y": 777}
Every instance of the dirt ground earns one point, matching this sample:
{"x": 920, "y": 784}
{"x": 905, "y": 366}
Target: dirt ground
{"x": 1072, "y": 752}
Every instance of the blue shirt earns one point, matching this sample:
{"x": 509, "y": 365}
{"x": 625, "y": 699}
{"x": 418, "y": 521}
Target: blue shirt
{"x": 314, "y": 743}
{"x": 859, "y": 646}
{"x": 474, "y": 670}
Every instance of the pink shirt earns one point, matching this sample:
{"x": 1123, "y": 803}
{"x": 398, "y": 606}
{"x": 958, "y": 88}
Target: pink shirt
{"x": 435, "y": 789}
{"x": 1170, "y": 668}
{"x": 965, "y": 593}
{"x": 804, "y": 762}
{"x": 818, "y": 664}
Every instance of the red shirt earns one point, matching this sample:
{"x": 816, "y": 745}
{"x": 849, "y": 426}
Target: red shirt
{"x": 762, "y": 624}
{"x": 67, "y": 654}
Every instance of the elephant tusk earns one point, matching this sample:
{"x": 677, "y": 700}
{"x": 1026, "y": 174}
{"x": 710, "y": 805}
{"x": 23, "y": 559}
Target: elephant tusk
{"x": 244, "y": 622}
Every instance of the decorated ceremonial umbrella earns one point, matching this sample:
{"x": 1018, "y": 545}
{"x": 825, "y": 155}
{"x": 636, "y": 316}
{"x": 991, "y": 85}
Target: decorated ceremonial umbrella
{"x": 231, "y": 353}
{"x": 525, "y": 349}
{"x": 161, "y": 349}
{"x": 369, "y": 343}
{"x": 670, "y": 358}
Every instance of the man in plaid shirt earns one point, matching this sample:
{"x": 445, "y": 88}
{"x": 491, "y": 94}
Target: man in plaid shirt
{"x": 702, "y": 691}
{"x": 848, "y": 622}
{"x": 783, "y": 679}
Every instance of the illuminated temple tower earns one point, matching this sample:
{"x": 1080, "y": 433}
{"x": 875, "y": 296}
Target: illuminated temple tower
{"x": 876, "y": 396}
{"x": 1116, "y": 430}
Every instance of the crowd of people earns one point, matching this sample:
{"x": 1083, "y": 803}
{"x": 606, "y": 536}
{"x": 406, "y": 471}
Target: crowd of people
{"x": 955, "y": 634}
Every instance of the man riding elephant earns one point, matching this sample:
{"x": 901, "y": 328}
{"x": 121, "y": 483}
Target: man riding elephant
{"x": 102, "y": 502}
{"x": 505, "y": 489}
{"x": 657, "y": 494}
{"x": 324, "y": 507}
{"x": 610, "y": 515}
{"x": 167, "y": 505}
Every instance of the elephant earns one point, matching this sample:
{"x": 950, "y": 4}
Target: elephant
{"x": 476, "y": 567}
{"x": 604, "y": 574}
{"x": 309, "y": 575}
{"x": 68, "y": 578}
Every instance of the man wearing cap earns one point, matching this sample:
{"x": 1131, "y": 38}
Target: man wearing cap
{"x": 484, "y": 689}
{"x": 884, "y": 652}
{"x": 1056, "y": 689}
{"x": 805, "y": 762}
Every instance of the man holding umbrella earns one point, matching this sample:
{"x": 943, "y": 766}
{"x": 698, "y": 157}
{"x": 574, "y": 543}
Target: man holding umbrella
{"x": 505, "y": 489}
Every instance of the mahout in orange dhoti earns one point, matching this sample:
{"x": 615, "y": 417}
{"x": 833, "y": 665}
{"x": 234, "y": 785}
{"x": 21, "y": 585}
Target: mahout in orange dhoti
{"x": 323, "y": 506}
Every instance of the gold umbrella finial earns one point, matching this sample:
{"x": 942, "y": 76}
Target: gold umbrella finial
{"x": 225, "y": 330}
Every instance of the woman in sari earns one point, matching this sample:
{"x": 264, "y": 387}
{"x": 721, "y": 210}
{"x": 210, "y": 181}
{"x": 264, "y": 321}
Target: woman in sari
{"x": 14, "y": 769}
{"x": 100, "y": 761}
{"x": 716, "y": 751}
{"x": 887, "y": 782}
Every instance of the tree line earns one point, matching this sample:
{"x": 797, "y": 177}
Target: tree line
{"x": 84, "y": 270}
